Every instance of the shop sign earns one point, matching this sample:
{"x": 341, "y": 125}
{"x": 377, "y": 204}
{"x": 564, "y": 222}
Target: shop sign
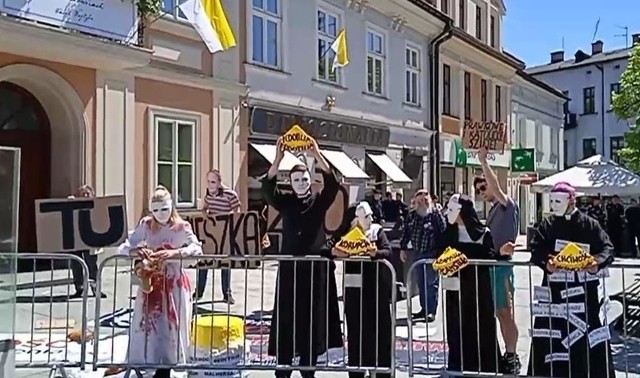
{"x": 450, "y": 153}
{"x": 276, "y": 123}
{"x": 113, "y": 19}
{"x": 502, "y": 160}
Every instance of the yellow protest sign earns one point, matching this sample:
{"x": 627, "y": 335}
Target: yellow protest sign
{"x": 450, "y": 262}
{"x": 355, "y": 242}
{"x": 296, "y": 139}
{"x": 572, "y": 257}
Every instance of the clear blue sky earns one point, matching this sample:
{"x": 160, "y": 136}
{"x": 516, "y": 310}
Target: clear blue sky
{"x": 534, "y": 28}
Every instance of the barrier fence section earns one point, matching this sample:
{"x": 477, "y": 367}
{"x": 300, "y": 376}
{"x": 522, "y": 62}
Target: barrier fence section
{"x": 286, "y": 319}
{"x": 48, "y": 312}
{"x": 578, "y": 324}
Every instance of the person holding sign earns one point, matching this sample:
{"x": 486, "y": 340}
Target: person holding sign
{"x": 470, "y": 319}
{"x": 161, "y": 320}
{"x": 568, "y": 337}
{"x": 503, "y": 221}
{"x": 90, "y": 257}
{"x": 306, "y": 302}
{"x": 367, "y": 295}
{"x": 219, "y": 200}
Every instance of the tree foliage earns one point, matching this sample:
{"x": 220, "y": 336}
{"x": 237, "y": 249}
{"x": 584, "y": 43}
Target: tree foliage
{"x": 626, "y": 106}
{"x": 149, "y": 8}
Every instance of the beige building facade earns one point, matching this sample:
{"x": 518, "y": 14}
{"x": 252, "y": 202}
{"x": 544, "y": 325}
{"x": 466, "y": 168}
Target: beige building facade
{"x": 120, "y": 116}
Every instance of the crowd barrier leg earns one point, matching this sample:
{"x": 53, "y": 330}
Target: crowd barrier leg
{"x": 254, "y": 338}
{"x": 51, "y": 349}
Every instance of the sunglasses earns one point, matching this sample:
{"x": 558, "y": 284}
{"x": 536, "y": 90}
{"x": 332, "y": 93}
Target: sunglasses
{"x": 481, "y": 189}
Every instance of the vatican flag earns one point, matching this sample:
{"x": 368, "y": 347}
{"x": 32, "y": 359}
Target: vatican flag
{"x": 339, "y": 47}
{"x": 210, "y": 21}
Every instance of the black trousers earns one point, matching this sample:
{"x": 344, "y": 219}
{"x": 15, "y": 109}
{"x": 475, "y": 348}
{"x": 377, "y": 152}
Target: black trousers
{"x": 76, "y": 268}
{"x": 615, "y": 234}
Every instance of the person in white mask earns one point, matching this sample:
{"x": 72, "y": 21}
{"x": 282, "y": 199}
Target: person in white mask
{"x": 305, "y": 290}
{"x": 469, "y": 307}
{"x": 367, "y": 296}
{"x": 161, "y": 320}
{"x": 588, "y": 353}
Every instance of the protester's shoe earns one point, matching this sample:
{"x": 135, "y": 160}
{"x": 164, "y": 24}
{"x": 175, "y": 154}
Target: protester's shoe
{"x": 229, "y": 299}
{"x": 431, "y": 318}
{"x": 93, "y": 290}
{"x": 162, "y": 373}
{"x": 510, "y": 364}
{"x": 77, "y": 294}
{"x": 196, "y": 297}
{"x": 421, "y": 315}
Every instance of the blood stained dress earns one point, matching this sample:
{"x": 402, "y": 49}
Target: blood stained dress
{"x": 159, "y": 332}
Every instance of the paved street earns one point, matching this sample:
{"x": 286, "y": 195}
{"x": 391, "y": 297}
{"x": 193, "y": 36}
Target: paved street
{"x": 255, "y": 299}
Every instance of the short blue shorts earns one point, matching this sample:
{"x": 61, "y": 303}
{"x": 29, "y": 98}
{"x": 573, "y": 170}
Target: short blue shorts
{"x": 502, "y": 286}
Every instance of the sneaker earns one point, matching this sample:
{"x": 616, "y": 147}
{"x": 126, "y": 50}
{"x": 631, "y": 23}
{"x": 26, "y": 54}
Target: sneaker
{"x": 93, "y": 291}
{"x": 431, "y": 318}
{"x": 510, "y": 364}
{"x": 196, "y": 297}
{"x": 229, "y": 299}
{"x": 77, "y": 294}
{"x": 420, "y": 315}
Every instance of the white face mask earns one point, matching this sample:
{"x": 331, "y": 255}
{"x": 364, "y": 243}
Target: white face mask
{"x": 559, "y": 203}
{"x": 301, "y": 183}
{"x": 161, "y": 210}
{"x": 453, "y": 209}
{"x": 364, "y": 215}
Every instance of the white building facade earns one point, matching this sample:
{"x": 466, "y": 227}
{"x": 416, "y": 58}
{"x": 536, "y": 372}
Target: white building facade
{"x": 588, "y": 80}
{"x": 538, "y": 123}
{"x": 373, "y": 112}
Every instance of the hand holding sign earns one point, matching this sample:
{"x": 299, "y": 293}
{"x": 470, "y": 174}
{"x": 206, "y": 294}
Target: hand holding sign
{"x": 482, "y": 155}
{"x": 297, "y": 140}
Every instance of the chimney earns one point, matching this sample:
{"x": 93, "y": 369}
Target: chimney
{"x": 635, "y": 38}
{"x": 596, "y": 47}
{"x": 557, "y": 56}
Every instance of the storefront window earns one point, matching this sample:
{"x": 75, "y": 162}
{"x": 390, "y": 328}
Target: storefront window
{"x": 447, "y": 181}
{"x": 465, "y": 181}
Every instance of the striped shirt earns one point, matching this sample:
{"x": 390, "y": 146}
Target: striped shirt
{"x": 225, "y": 201}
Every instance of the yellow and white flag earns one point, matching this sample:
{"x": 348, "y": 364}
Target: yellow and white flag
{"x": 210, "y": 21}
{"x": 339, "y": 47}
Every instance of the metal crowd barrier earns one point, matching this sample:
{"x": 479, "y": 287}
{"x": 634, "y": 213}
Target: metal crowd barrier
{"x": 48, "y": 312}
{"x": 533, "y": 305}
{"x": 254, "y": 291}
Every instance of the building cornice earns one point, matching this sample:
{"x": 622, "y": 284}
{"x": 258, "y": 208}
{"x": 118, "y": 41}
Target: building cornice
{"x": 191, "y": 80}
{"x": 29, "y": 38}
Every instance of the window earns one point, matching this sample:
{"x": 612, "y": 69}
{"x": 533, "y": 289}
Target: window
{"x": 492, "y": 26}
{"x": 467, "y": 95}
{"x": 498, "y": 116}
{"x": 478, "y": 22}
{"x": 266, "y": 23}
{"x": 444, "y": 6}
{"x": 588, "y": 147}
{"x": 375, "y": 62}
{"x": 412, "y": 75}
{"x": 589, "y": 100}
{"x": 328, "y": 28}
{"x": 175, "y": 158}
{"x": 565, "y": 106}
{"x": 446, "y": 89}
{"x": 483, "y": 99}
{"x": 615, "y": 145}
{"x": 170, "y": 8}
{"x": 565, "y": 153}
{"x": 463, "y": 15}
{"x": 613, "y": 88}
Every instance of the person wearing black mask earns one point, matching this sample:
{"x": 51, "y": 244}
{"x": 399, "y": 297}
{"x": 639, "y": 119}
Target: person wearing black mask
{"x": 615, "y": 220}
{"x": 390, "y": 208}
{"x": 632, "y": 214}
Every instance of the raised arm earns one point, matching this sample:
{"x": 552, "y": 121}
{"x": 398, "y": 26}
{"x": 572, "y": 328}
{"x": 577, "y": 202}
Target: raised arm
{"x": 492, "y": 179}
{"x": 331, "y": 186}
{"x": 135, "y": 239}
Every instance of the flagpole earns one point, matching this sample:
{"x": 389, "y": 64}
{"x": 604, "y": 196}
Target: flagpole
{"x": 328, "y": 49}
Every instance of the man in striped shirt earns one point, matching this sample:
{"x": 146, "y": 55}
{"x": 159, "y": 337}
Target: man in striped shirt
{"x": 219, "y": 200}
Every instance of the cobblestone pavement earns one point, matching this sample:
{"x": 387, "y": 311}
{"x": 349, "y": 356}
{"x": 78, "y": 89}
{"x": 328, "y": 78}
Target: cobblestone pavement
{"x": 259, "y": 296}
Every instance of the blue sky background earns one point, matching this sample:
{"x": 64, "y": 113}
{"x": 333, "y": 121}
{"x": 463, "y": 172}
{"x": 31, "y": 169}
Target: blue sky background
{"x": 534, "y": 28}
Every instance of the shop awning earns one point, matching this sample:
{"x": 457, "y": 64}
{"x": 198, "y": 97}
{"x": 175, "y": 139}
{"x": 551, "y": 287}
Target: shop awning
{"x": 347, "y": 168}
{"x": 268, "y": 151}
{"x": 386, "y": 165}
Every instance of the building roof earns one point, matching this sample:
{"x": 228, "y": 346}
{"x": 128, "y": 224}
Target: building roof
{"x": 603, "y": 57}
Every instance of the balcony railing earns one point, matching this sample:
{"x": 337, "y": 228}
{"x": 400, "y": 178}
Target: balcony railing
{"x": 570, "y": 121}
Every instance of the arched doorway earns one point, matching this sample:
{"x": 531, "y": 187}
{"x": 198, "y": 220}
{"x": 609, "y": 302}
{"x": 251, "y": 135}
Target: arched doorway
{"x": 24, "y": 124}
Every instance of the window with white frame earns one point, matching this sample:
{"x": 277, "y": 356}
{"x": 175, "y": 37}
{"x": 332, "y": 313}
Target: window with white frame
{"x": 327, "y": 29}
{"x": 175, "y": 156}
{"x": 170, "y": 8}
{"x": 375, "y": 62}
{"x": 266, "y": 29}
{"x": 412, "y": 75}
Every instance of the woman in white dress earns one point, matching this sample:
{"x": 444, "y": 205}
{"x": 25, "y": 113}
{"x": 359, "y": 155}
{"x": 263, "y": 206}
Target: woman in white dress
{"x": 159, "y": 332}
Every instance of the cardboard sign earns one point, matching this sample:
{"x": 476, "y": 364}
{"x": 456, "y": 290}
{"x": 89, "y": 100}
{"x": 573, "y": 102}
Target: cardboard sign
{"x": 296, "y": 139}
{"x": 331, "y": 223}
{"x": 232, "y": 234}
{"x": 77, "y": 224}
{"x": 492, "y": 135}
